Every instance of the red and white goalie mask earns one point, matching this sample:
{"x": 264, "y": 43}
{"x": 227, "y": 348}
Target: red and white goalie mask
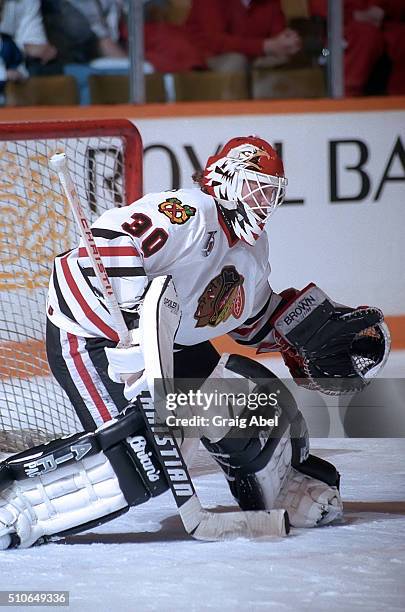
{"x": 247, "y": 179}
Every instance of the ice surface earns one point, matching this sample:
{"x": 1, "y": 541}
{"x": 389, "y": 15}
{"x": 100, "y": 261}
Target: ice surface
{"x": 145, "y": 561}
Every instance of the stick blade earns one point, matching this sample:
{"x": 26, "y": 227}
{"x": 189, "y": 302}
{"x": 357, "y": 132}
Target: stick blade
{"x": 252, "y": 524}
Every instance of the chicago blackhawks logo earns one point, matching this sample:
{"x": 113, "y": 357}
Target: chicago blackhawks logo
{"x": 222, "y": 297}
{"x": 177, "y": 212}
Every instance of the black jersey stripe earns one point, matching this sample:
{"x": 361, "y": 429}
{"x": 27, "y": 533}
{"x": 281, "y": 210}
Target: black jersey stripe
{"x": 257, "y": 316}
{"x": 63, "y": 254}
{"x": 262, "y": 333}
{"x": 99, "y": 232}
{"x": 131, "y": 319}
{"x": 116, "y": 271}
{"x": 63, "y": 306}
{"x": 99, "y": 294}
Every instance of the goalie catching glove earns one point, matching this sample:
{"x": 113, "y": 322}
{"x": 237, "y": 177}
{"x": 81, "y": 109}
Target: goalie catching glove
{"x": 326, "y": 346}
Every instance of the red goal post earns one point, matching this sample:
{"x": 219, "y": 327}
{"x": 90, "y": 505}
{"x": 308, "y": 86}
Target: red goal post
{"x": 105, "y": 160}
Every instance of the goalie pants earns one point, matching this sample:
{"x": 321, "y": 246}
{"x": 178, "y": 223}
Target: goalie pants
{"x": 80, "y": 367}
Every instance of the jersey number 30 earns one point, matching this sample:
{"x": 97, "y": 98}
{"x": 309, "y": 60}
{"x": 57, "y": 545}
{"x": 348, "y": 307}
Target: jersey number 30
{"x": 139, "y": 225}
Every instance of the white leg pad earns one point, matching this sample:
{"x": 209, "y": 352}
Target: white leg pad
{"x": 56, "y": 501}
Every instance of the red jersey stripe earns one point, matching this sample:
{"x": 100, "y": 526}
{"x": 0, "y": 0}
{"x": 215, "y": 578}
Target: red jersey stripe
{"x": 95, "y": 319}
{"x": 245, "y": 331}
{"x": 112, "y": 251}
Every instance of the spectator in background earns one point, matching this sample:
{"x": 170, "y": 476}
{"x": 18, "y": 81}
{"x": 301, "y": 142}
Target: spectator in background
{"x": 233, "y": 33}
{"x": 103, "y": 17}
{"x": 22, "y": 21}
{"x": 168, "y": 46}
{"x": 84, "y": 30}
{"x": 92, "y": 37}
{"x": 89, "y": 31}
{"x": 87, "y": 35}
{"x": 11, "y": 64}
{"x": 372, "y": 29}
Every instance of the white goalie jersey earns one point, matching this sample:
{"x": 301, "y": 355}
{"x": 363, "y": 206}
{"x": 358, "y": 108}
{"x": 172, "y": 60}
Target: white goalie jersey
{"x": 222, "y": 282}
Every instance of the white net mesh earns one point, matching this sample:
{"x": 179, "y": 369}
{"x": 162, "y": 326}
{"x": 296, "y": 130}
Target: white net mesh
{"x": 36, "y": 225}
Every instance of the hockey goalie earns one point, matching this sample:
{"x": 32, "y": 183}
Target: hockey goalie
{"x": 210, "y": 246}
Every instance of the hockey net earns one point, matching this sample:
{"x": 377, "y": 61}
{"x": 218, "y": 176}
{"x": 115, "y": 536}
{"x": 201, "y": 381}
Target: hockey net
{"x": 105, "y": 159}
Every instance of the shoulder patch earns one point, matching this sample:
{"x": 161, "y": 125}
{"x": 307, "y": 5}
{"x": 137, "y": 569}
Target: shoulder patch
{"x": 176, "y": 211}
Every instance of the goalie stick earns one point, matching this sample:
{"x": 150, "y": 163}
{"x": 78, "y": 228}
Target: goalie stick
{"x": 198, "y": 522}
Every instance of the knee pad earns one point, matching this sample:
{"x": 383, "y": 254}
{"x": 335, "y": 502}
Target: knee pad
{"x": 124, "y": 441}
{"x": 268, "y": 382}
{"x": 241, "y": 449}
{"x": 257, "y": 461}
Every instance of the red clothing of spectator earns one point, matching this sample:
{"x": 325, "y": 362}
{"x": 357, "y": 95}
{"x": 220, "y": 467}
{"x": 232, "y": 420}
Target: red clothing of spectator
{"x": 367, "y": 42}
{"x": 225, "y": 26}
{"x": 394, "y": 38}
{"x": 169, "y": 48}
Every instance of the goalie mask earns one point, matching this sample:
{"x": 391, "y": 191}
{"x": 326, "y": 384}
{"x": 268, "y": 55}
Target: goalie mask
{"x": 247, "y": 179}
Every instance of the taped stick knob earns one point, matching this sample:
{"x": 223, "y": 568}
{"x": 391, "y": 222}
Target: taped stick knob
{"x": 58, "y": 161}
